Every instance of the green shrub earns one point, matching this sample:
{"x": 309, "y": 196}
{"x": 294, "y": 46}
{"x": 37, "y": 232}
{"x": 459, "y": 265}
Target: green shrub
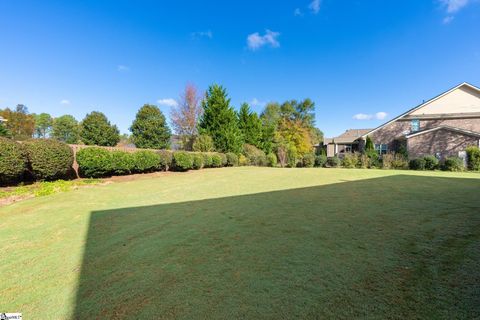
{"x": 203, "y": 143}
{"x": 182, "y": 161}
{"x": 320, "y": 160}
{"x": 207, "y": 159}
{"x": 255, "y": 156}
{"x": 394, "y": 161}
{"x": 232, "y": 159}
{"x": 473, "y": 158}
{"x": 13, "y": 161}
{"x": 333, "y": 162}
{"x": 122, "y": 162}
{"x": 48, "y": 159}
{"x": 94, "y": 162}
{"x": 242, "y": 160}
{"x": 453, "y": 164}
{"x": 166, "y": 158}
{"x": 292, "y": 156}
{"x": 146, "y": 161}
{"x": 197, "y": 161}
{"x": 308, "y": 160}
{"x": 417, "y": 164}
{"x": 431, "y": 162}
{"x": 271, "y": 160}
{"x": 350, "y": 160}
{"x": 224, "y": 159}
{"x": 216, "y": 160}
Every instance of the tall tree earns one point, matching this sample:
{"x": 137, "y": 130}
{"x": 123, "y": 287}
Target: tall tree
{"x": 97, "y": 130}
{"x": 250, "y": 125}
{"x": 185, "y": 117}
{"x": 65, "y": 128}
{"x": 219, "y": 121}
{"x": 150, "y": 129}
{"x": 20, "y": 123}
{"x": 43, "y": 124}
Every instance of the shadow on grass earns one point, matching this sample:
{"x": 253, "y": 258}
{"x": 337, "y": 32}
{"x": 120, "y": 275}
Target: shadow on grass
{"x": 393, "y": 247}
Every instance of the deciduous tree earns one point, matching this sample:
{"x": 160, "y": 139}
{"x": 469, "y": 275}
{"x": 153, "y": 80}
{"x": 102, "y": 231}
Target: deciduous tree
{"x": 65, "y": 128}
{"x": 186, "y": 115}
{"x": 20, "y": 123}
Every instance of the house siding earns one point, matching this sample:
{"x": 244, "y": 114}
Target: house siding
{"x": 395, "y": 130}
{"x": 444, "y": 142}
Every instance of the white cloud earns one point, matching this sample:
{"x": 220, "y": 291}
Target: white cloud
{"x": 168, "y": 102}
{"x": 378, "y": 116}
{"x": 202, "y": 34}
{"x": 122, "y": 68}
{"x": 362, "y": 116}
{"x": 256, "y": 41}
{"x": 65, "y": 101}
{"x": 381, "y": 115}
{"x": 314, "y": 6}
{"x": 448, "y": 19}
{"x": 257, "y": 103}
{"x": 297, "y": 12}
{"x": 453, "y": 6}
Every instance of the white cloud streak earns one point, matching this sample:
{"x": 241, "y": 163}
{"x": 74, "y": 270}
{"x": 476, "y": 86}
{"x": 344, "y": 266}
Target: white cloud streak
{"x": 122, "y": 68}
{"x": 168, "y": 102}
{"x": 257, "y": 103}
{"x": 202, "y": 34}
{"x": 378, "y": 116}
{"x": 65, "y": 102}
{"x": 314, "y": 6}
{"x": 453, "y": 6}
{"x": 297, "y": 12}
{"x": 256, "y": 41}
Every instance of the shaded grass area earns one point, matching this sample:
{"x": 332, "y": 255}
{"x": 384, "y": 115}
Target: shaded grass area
{"x": 337, "y": 244}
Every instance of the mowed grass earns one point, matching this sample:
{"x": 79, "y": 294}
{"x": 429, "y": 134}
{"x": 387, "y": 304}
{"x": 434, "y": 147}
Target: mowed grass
{"x": 248, "y": 243}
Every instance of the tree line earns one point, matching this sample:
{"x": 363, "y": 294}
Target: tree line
{"x": 201, "y": 123}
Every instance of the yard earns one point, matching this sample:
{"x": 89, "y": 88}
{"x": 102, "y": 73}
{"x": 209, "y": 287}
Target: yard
{"x": 248, "y": 242}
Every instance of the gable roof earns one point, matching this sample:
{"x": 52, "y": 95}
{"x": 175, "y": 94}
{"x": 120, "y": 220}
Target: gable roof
{"x": 449, "y": 128}
{"x": 422, "y": 105}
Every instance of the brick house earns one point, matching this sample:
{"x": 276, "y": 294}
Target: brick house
{"x": 442, "y": 126}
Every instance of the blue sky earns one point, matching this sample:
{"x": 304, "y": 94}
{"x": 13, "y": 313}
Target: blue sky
{"x": 362, "y": 62}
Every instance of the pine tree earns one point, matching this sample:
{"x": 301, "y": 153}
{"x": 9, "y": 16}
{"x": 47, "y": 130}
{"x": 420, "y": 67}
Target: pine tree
{"x": 219, "y": 121}
{"x": 250, "y": 125}
{"x": 150, "y": 129}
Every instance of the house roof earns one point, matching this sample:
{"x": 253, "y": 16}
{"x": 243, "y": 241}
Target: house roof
{"x": 422, "y": 105}
{"x": 449, "y": 128}
{"x": 348, "y": 136}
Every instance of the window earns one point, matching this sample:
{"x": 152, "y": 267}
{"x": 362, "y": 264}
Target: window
{"x": 415, "y": 125}
{"x": 381, "y": 148}
{"x": 348, "y": 148}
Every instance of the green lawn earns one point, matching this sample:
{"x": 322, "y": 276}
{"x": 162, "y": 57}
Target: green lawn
{"x": 248, "y": 243}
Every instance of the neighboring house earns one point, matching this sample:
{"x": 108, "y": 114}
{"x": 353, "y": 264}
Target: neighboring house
{"x": 346, "y": 142}
{"x": 443, "y": 126}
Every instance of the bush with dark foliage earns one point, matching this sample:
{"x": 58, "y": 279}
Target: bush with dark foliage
{"x": 48, "y": 159}
{"x": 94, "y": 162}
{"x": 13, "y": 161}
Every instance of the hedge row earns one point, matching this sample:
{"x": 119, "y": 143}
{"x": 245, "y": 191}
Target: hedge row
{"x": 37, "y": 159}
{"x": 99, "y": 162}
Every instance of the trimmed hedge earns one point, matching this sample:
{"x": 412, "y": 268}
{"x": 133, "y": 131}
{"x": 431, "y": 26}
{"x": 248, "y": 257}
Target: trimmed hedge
{"x": 217, "y": 160}
{"x": 271, "y": 160}
{"x": 232, "y": 159}
{"x": 207, "y": 160}
{"x": 166, "y": 159}
{"x": 320, "y": 160}
{"x": 255, "y": 156}
{"x": 197, "y": 161}
{"x": 146, "y": 161}
{"x": 94, "y": 162}
{"x": 431, "y": 162}
{"x": 417, "y": 164}
{"x": 453, "y": 164}
{"x": 13, "y": 161}
{"x": 308, "y": 160}
{"x": 333, "y": 162}
{"x": 182, "y": 161}
{"x": 122, "y": 162}
{"x": 48, "y": 159}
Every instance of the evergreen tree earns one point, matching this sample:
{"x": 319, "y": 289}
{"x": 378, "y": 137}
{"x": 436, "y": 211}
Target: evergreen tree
{"x": 66, "y": 129}
{"x": 250, "y": 125}
{"x": 150, "y": 129}
{"x": 219, "y": 121}
{"x": 97, "y": 130}
{"x": 369, "y": 144}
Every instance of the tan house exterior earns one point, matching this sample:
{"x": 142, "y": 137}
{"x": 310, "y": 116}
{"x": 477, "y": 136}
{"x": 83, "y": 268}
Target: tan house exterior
{"x": 443, "y": 126}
